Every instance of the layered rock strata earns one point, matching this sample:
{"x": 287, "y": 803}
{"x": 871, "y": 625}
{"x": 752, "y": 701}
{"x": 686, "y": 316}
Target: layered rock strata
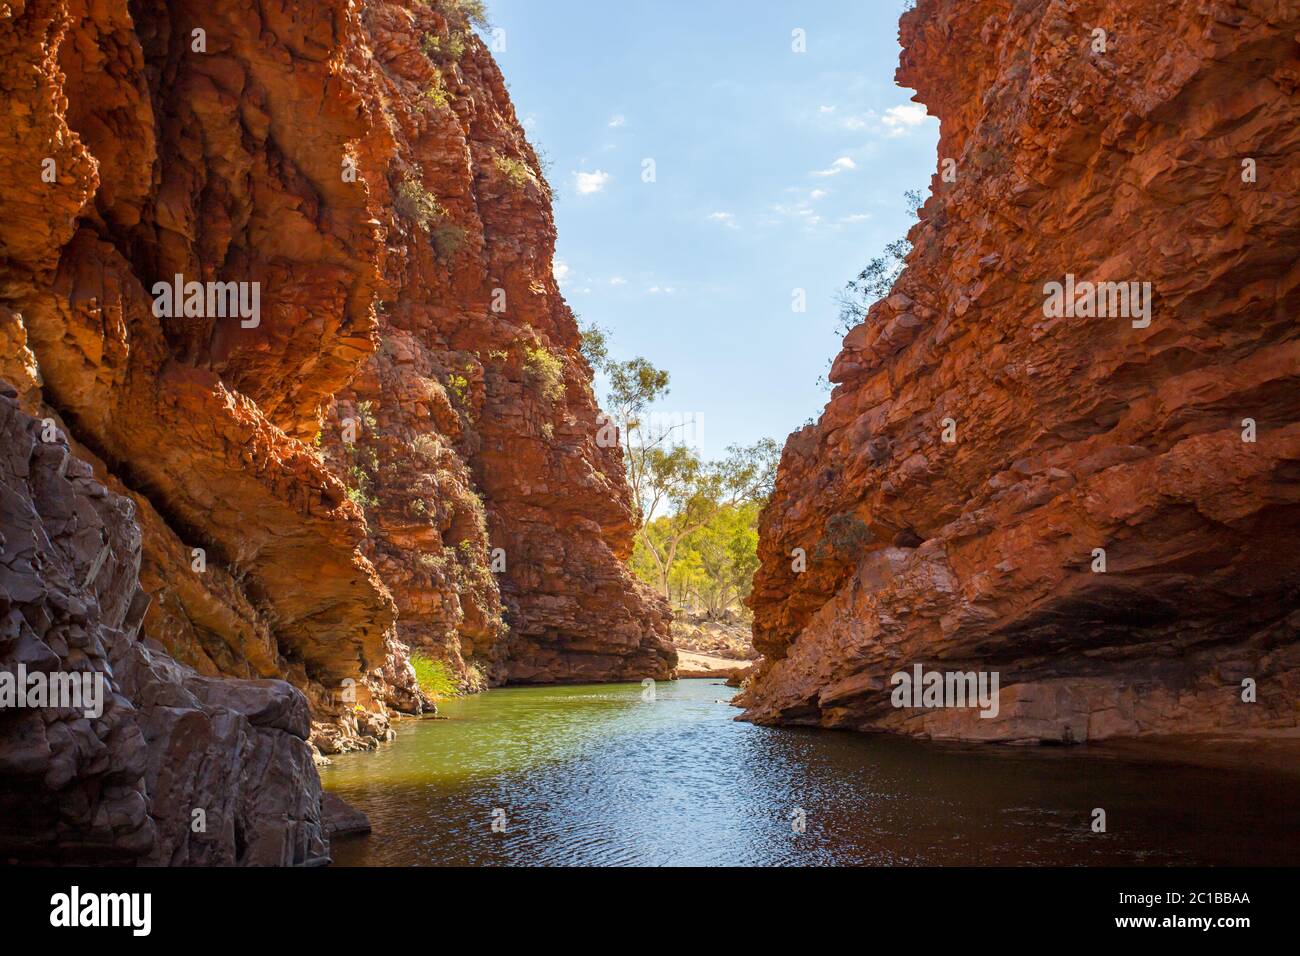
{"x": 491, "y": 502}
{"x": 1100, "y": 507}
{"x": 370, "y": 427}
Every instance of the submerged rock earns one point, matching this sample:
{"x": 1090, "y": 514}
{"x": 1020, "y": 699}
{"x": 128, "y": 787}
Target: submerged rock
{"x": 341, "y": 818}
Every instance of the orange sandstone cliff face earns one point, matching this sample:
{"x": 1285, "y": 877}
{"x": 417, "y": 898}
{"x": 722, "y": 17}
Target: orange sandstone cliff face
{"x": 323, "y": 482}
{"x": 491, "y": 506}
{"x": 977, "y": 451}
{"x": 137, "y": 159}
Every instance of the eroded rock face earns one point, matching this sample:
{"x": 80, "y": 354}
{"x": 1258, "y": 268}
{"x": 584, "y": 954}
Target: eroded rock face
{"x": 491, "y": 506}
{"x": 1070, "y": 434}
{"x": 159, "y": 765}
{"x": 152, "y": 159}
{"x": 362, "y": 165}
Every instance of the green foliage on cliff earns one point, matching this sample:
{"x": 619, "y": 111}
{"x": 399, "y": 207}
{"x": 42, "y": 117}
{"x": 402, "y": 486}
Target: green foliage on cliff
{"x": 446, "y": 239}
{"x": 362, "y": 462}
{"x": 594, "y": 346}
{"x": 472, "y": 12}
{"x": 437, "y": 93}
{"x": 416, "y": 203}
{"x": 435, "y": 48}
{"x": 458, "y": 388}
{"x": 878, "y": 277}
{"x": 433, "y": 677}
{"x": 515, "y": 170}
{"x": 545, "y": 371}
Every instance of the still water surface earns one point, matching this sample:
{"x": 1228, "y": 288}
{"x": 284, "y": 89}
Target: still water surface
{"x": 593, "y": 775}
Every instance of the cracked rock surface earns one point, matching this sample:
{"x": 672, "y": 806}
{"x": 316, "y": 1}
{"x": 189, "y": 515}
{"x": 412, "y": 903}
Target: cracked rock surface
{"x": 1068, "y": 434}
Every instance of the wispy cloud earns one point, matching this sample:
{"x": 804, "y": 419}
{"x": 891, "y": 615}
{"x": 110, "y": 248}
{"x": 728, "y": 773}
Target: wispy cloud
{"x": 894, "y": 122}
{"x": 562, "y": 272}
{"x": 593, "y": 182}
{"x": 726, "y": 218}
{"x": 617, "y": 120}
{"x": 799, "y": 214}
{"x": 843, "y": 164}
{"x": 618, "y": 280}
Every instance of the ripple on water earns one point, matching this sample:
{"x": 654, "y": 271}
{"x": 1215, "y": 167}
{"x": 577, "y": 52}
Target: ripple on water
{"x": 597, "y": 776}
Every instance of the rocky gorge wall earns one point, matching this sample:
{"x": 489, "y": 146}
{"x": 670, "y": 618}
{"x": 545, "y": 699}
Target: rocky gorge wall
{"x": 483, "y": 450}
{"x": 396, "y": 449}
{"x": 158, "y": 765}
{"x": 979, "y": 448}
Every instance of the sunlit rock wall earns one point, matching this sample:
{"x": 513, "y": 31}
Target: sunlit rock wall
{"x": 980, "y": 449}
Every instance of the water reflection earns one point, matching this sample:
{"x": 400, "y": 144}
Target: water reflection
{"x": 593, "y": 775}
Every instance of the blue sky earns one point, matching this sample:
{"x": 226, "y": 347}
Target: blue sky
{"x": 774, "y": 170}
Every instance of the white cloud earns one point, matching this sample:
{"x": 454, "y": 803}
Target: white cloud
{"x": 899, "y": 120}
{"x": 726, "y": 218}
{"x": 818, "y": 194}
{"x": 800, "y": 214}
{"x": 826, "y": 109}
{"x": 857, "y": 217}
{"x": 561, "y": 270}
{"x": 840, "y": 165}
{"x": 589, "y": 183}
{"x": 530, "y": 122}
{"x": 660, "y": 290}
{"x": 618, "y": 280}
{"x": 617, "y": 121}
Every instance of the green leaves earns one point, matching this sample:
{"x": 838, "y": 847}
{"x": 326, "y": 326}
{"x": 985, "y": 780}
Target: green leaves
{"x": 694, "y": 493}
{"x": 634, "y": 386}
{"x": 876, "y": 280}
{"x": 594, "y": 345}
{"x": 545, "y": 370}
{"x": 676, "y": 494}
{"x": 714, "y": 565}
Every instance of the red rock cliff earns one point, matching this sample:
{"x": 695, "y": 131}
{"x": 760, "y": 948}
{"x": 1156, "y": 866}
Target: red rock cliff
{"x": 1166, "y": 153}
{"x": 399, "y": 448}
{"x": 482, "y": 451}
